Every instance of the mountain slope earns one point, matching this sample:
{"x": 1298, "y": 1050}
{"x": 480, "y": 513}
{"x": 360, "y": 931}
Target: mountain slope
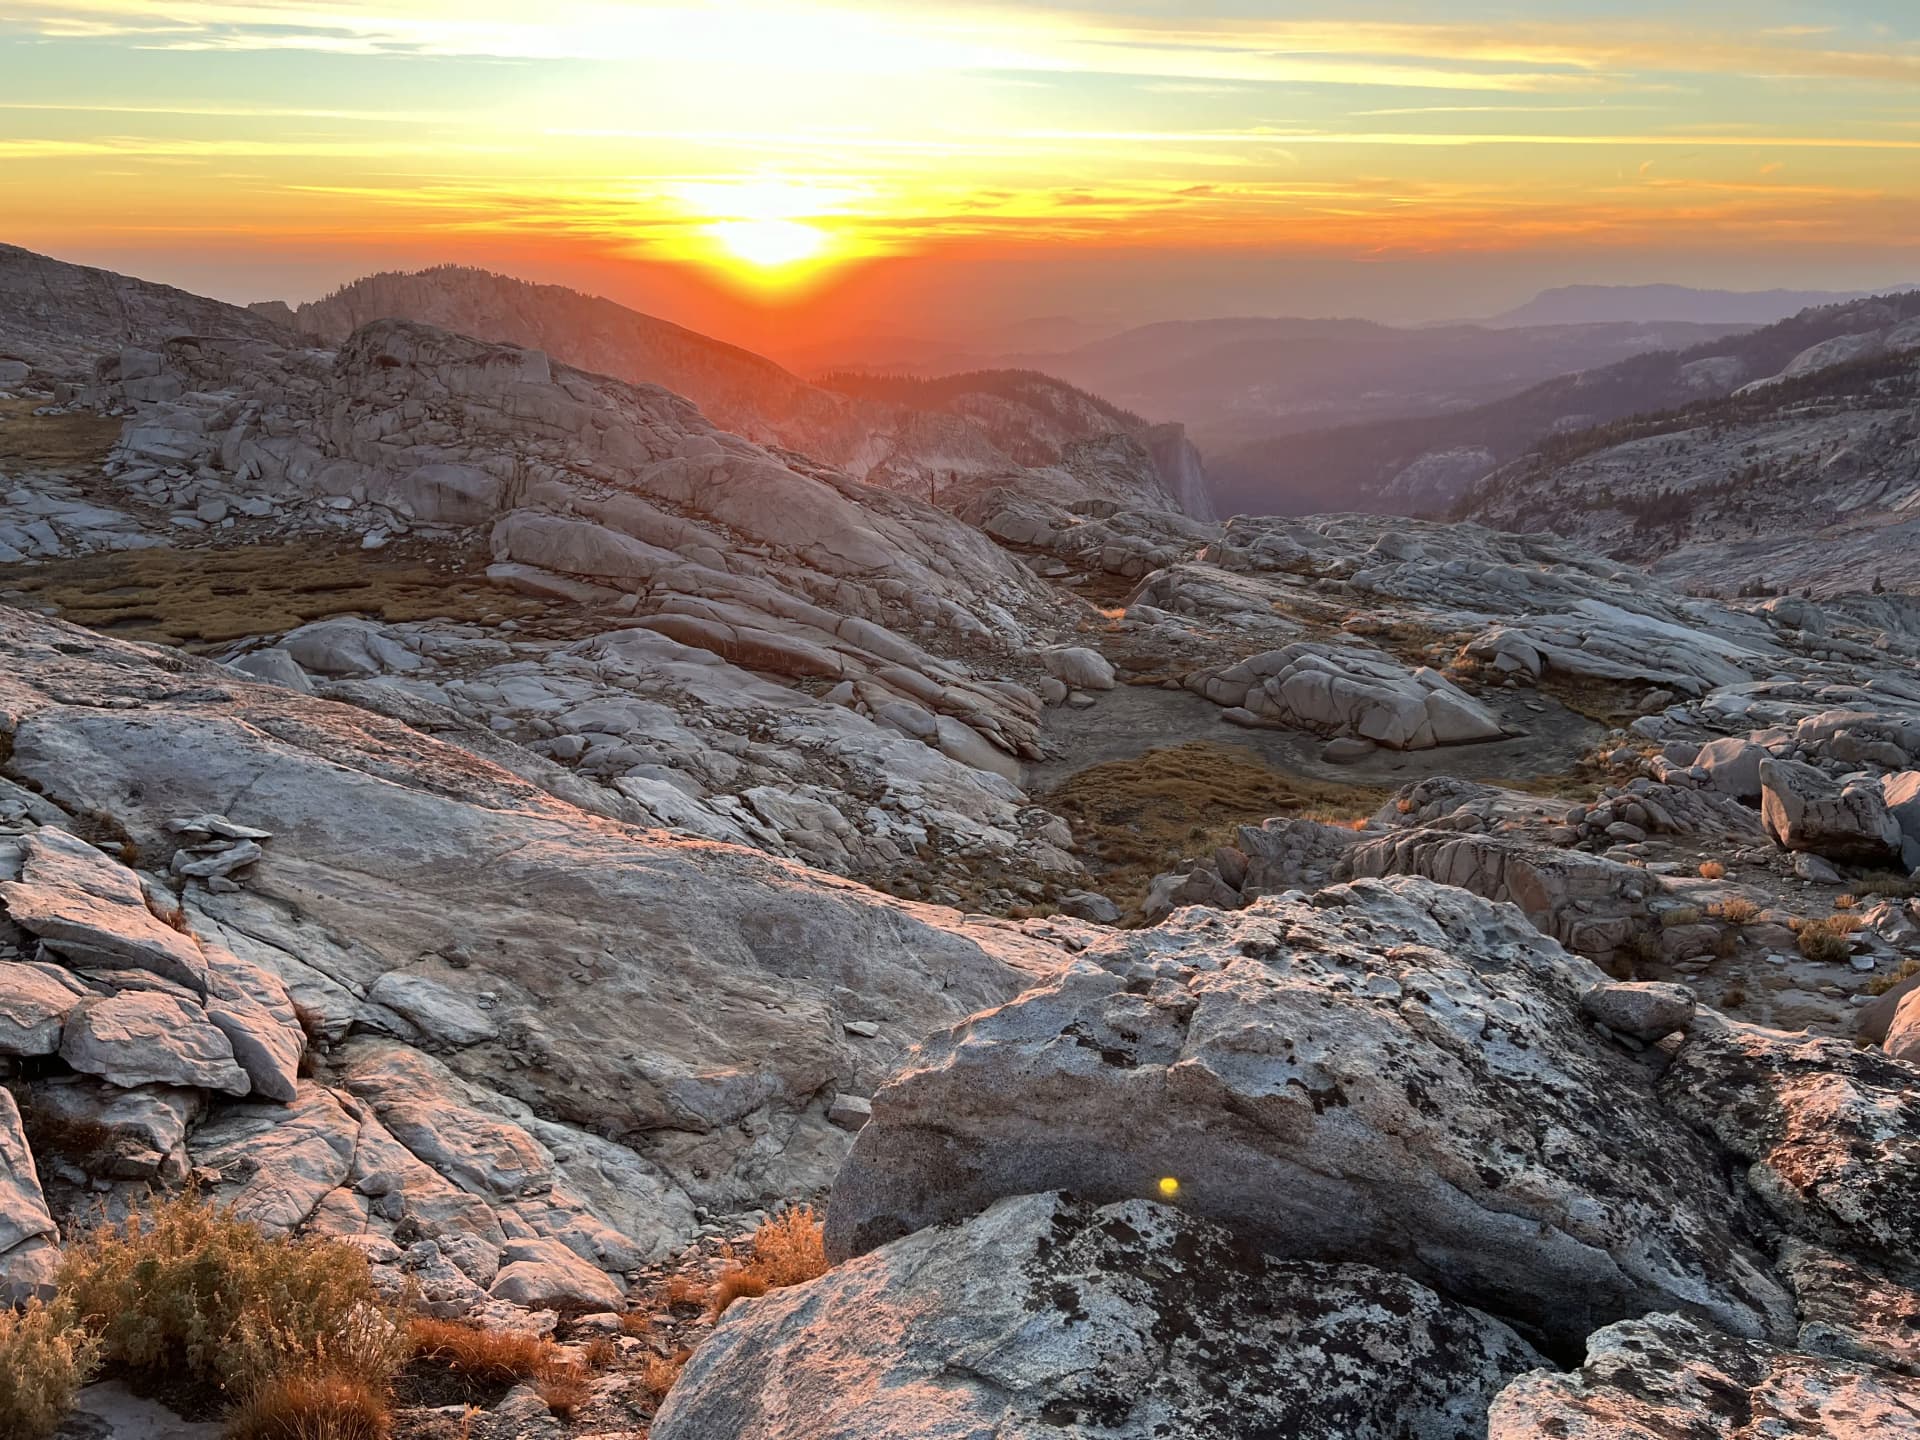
{"x": 57, "y": 318}
{"x": 891, "y": 442}
{"x": 1373, "y": 466}
{"x": 1808, "y": 481}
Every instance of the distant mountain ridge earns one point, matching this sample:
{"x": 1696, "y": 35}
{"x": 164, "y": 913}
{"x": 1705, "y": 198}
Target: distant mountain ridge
{"x": 1236, "y": 381}
{"x": 1380, "y": 466}
{"x": 884, "y": 440}
{"x": 1595, "y": 304}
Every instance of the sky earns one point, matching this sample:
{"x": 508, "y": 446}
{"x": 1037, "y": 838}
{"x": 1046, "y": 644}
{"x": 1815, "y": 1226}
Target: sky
{"x": 773, "y": 169}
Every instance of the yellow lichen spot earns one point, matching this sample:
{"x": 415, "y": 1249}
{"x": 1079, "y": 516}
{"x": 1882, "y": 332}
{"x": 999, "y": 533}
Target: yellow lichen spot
{"x": 1169, "y": 1187}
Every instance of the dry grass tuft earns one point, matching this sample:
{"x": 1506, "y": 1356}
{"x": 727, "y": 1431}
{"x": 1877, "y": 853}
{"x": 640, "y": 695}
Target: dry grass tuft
{"x": 735, "y": 1284}
{"x": 1845, "y": 902}
{"x": 185, "y": 1295}
{"x": 1826, "y": 940}
{"x": 679, "y": 1290}
{"x": 311, "y": 1407}
{"x": 45, "y": 1357}
{"x": 1735, "y": 910}
{"x": 486, "y": 1357}
{"x": 1712, "y": 870}
{"x": 566, "y": 1387}
{"x": 1881, "y": 984}
{"x": 787, "y": 1250}
{"x": 663, "y": 1370}
{"x": 1680, "y": 915}
{"x": 1888, "y": 885}
{"x": 599, "y": 1352}
{"x": 495, "y": 1359}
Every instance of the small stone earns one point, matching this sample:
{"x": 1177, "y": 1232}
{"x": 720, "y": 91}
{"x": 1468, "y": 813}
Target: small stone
{"x": 850, "y": 1112}
{"x": 1813, "y": 869}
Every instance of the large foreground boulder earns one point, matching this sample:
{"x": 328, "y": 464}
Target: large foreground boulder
{"x": 1393, "y": 1071}
{"x": 1047, "y": 1316}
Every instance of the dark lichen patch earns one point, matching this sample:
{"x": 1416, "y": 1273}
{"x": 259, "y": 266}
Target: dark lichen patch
{"x": 1248, "y": 1347}
{"x": 202, "y": 598}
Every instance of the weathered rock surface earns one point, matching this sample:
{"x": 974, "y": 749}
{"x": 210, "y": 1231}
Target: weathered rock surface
{"x": 94, "y": 913}
{"x": 1831, "y": 1134}
{"x": 1671, "y": 1378}
{"x": 143, "y": 1038}
{"x": 1046, "y": 1314}
{"x": 1804, "y": 810}
{"x": 1396, "y": 1071}
{"x": 26, "y": 1227}
{"x": 943, "y": 435}
{"x": 631, "y": 1022}
{"x": 1349, "y": 691}
{"x": 60, "y": 317}
{"x": 34, "y": 1001}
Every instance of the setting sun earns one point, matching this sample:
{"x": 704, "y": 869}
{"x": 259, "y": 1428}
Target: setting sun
{"x": 769, "y": 244}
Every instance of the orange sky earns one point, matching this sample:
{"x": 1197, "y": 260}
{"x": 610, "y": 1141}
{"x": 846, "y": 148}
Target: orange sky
{"x": 755, "y": 166}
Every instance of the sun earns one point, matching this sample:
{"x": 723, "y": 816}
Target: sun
{"x": 770, "y": 244}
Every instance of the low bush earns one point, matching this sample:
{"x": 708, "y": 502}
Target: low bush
{"x": 787, "y": 1250}
{"x": 186, "y": 1296}
{"x": 45, "y": 1357}
{"x": 1712, "y": 870}
{"x": 1826, "y": 940}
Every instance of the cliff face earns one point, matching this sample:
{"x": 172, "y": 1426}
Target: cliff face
{"x": 1181, "y": 470}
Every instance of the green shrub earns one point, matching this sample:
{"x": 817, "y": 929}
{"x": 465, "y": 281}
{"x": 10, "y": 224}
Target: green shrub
{"x": 45, "y": 1356}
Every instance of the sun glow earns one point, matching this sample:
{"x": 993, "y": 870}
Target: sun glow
{"x": 768, "y": 232}
{"x": 769, "y": 244}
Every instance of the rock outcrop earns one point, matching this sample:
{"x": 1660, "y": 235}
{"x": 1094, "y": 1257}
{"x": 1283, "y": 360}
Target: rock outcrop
{"x": 627, "y": 1025}
{"x": 929, "y": 436}
{"x": 1395, "y": 1072}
